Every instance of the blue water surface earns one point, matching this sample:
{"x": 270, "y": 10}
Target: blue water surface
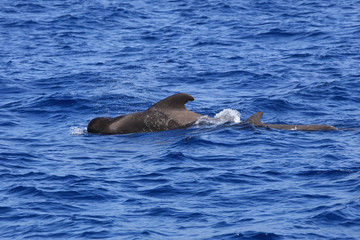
{"x": 64, "y": 62}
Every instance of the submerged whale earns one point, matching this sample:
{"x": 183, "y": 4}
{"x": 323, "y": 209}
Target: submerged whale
{"x": 256, "y": 120}
{"x": 171, "y": 113}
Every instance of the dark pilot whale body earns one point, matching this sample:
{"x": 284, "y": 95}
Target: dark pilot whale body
{"x": 169, "y": 113}
{"x": 256, "y": 120}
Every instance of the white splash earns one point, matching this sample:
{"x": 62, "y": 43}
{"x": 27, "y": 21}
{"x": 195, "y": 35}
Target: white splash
{"x": 226, "y": 115}
{"x": 77, "y": 131}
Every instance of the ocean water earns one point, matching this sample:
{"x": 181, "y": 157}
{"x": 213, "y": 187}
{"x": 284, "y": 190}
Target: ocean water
{"x": 64, "y": 62}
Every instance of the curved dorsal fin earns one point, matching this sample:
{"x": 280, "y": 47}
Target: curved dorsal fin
{"x": 255, "y": 119}
{"x": 176, "y": 101}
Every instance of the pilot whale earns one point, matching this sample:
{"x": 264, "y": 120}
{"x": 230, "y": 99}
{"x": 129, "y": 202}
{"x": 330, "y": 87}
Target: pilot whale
{"x": 256, "y": 120}
{"x": 169, "y": 113}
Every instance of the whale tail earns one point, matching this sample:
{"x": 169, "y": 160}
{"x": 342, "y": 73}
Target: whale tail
{"x": 255, "y": 119}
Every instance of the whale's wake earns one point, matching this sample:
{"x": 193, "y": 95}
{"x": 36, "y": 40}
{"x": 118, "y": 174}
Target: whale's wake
{"x": 226, "y": 115}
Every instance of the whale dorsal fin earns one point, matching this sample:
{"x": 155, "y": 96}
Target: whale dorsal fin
{"x": 174, "y": 102}
{"x": 255, "y": 118}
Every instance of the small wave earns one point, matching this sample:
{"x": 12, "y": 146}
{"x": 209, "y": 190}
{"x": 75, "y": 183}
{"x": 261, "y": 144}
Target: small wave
{"x": 258, "y": 235}
{"x": 226, "y": 115}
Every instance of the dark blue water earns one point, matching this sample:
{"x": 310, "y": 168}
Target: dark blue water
{"x": 65, "y": 62}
